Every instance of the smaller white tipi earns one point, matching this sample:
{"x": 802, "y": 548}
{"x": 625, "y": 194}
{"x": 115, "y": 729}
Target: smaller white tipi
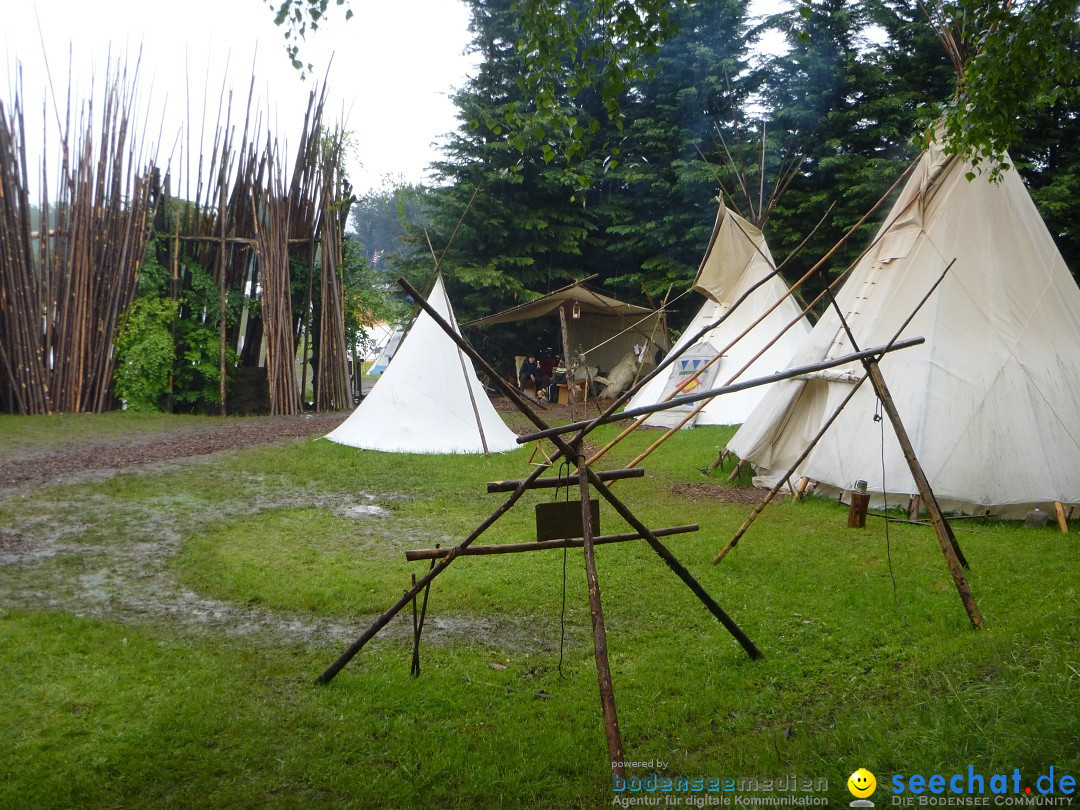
{"x": 429, "y": 399}
{"x": 737, "y": 258}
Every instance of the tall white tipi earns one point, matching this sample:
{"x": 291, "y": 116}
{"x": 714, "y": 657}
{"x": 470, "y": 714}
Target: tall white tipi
{"x": 737, "y": 258}
{"x": 429, "y": 399}
{"x": 991, "y": 400}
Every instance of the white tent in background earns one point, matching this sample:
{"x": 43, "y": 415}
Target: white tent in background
{"x": 378, "y": 335}
{"x": 386, "y": 352}
{"x": 991, "y": 400}
{"x": 429, "y": 399}
{"x": 737, "y": 258}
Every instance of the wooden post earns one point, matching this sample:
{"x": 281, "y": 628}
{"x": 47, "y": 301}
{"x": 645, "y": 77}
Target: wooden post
{"x": 596, "y": 610}
{"x": 913, "y": 508}
{"x": 860, "y": 502}
{"x": 800, "y": 488}
{"x": 221, "y": 264}
{"x": 571, "y": 394}
{"x": 1063, "y": 523}
{"x": 174, "y": 295}
{"x": 944, "y": 533}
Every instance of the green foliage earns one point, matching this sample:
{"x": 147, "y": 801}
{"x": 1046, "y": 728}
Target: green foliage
{"x": 145, "y": 354}
{"x": 580, "y": 60}
{"x": 1017, "y": 61}
{"x": 296, "y": 17}
{"x": 368, "y": 298}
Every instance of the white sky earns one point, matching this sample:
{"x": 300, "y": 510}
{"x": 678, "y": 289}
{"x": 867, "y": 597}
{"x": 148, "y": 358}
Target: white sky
{"x": 395, "y": 65}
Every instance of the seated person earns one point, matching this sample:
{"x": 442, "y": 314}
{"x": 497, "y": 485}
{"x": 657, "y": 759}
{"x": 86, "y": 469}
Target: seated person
{"x": 530, "y": 374}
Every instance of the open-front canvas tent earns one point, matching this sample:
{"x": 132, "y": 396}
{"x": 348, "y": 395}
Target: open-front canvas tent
{"x": 429, "y": 399}
{"x": 760, "y": 335}
{"x": 600, "y": 328}
{"x": 991, "y": 400}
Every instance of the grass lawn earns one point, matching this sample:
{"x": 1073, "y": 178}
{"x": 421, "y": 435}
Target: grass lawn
{"x": 160, "y": 631}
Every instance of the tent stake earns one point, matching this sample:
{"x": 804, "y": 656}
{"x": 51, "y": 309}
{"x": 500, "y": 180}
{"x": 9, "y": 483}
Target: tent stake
{"x": 1063, "y": 523}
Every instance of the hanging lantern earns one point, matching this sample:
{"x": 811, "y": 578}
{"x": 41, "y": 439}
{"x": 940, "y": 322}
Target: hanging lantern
{"x": 575, "y": 310}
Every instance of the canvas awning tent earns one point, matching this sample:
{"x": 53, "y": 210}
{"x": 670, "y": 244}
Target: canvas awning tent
{"x": 991, "y": 400}
{"x": 605, "y": 330}
{"x": 429, "y": 399}
{"x": 736, "y": 259}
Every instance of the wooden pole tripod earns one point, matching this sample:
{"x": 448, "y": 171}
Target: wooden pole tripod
{"x": 587, "y": 480}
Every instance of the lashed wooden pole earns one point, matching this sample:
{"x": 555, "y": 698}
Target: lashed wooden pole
{"x": 596, "y": 613}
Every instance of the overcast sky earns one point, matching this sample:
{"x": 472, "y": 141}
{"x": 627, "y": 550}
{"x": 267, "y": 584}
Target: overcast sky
{"x": 395, "y": 64}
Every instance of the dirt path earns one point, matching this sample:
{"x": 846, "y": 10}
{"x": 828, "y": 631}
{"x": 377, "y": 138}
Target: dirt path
{"x": 145, "y": 448}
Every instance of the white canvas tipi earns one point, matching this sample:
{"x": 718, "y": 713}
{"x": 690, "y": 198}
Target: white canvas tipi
{"x": 991, "y": 400}
{"x": 429, "y": 399}
{"x": 737, "y": 258}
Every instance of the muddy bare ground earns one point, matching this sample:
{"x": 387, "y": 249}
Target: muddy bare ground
{"x": 157, "y": 447}
{"x": 94, "y": 555}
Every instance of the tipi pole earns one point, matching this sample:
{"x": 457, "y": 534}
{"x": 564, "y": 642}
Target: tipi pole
{"x": 630, "y": 413}
{"x": 423, "y": 582}
{"x": 791, "y": 290}
{"x": 942, "y": 530}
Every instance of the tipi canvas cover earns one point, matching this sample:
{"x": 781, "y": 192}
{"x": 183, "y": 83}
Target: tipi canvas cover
{"x": 991, "y": 400}
{"x": 429, "y": 399}
{"x": 737, "y": 258}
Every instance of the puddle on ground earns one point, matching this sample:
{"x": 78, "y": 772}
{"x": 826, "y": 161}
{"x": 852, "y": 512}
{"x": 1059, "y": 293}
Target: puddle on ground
{"x": 363, "y": 510}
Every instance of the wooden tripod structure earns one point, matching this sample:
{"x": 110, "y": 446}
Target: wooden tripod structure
{"x": 587, "y": 481}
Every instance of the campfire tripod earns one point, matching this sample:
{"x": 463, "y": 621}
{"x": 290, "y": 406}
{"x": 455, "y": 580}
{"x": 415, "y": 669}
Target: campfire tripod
{"x": 587, "y": 480}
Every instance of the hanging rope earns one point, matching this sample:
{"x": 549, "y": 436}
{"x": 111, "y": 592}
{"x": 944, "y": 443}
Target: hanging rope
{"x": 885, "y": 501}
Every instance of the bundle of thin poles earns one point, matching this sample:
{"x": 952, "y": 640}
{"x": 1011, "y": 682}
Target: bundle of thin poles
{"x": 333, "y": 389}
{"x": 64, "y": 288}
{"x": 245, "y": 218}
{"x": 271, "y": 226}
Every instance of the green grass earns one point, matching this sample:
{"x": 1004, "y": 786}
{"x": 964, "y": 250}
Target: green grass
{"x": 144, "y": 710}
